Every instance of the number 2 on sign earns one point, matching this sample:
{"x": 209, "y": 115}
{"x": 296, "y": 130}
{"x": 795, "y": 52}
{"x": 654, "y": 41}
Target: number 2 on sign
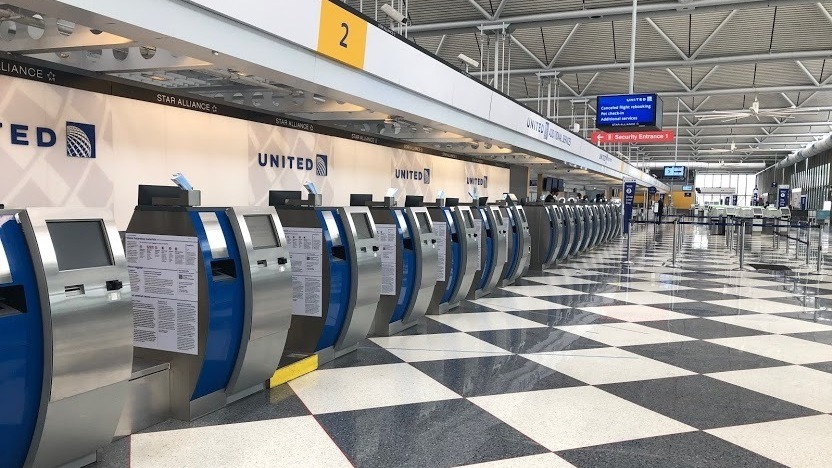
{"x": 342, "y": 35}
{"x": 343, "y": 42}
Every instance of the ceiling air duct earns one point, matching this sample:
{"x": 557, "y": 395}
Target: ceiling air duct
{"x": 810, "y": 150}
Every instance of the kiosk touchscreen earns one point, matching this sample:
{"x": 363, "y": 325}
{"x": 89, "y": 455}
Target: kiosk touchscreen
{"x": 408, "y": 263}
{"x": 66, "y": 335}
{"x": 209, "y": 298}
{"x": 493, "y": 248}
{"x": 337, "y": 280}
{"x": 459, "y": 262}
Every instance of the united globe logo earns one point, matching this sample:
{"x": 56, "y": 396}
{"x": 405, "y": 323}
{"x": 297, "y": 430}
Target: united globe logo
{"x": 80, "y": 140}
{"x": 321, "y": 165}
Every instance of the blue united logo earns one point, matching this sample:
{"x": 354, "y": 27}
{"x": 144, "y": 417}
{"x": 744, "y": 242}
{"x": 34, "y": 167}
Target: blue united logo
{"x": 80, "y": 140}
{"x": 322, "y": 165}
{"x": 426, "y": 178}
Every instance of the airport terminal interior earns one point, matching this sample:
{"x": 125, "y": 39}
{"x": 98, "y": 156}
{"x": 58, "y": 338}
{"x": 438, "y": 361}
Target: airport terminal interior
{"x": 415, "y": 233}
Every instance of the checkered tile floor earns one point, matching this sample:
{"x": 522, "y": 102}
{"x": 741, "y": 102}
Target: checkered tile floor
{"x": 593, "y": 363}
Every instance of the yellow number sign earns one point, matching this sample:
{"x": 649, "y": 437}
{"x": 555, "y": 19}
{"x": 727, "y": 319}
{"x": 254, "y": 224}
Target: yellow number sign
{"x": 343, "y": 35}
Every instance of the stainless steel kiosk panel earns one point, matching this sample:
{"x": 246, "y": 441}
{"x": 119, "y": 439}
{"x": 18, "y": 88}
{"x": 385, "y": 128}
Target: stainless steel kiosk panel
{"x": 544, "y": 231}
{"x": 568, "y": 227}
{"x": 494, "y": 250}
{"x": 407, "y": 299}
{"x": 470, "y": 241}
{"x": 598, "y": 223}
{"x": 267, "y": 282}
{"x": 85, "y": 306}
{"x": 365, "y": 277}
{"x": 525, "y": 260}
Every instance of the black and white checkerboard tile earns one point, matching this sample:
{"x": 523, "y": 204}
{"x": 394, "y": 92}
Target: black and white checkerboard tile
{"x": 593, "y": 363}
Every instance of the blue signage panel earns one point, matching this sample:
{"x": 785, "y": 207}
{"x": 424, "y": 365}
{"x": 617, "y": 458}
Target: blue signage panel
{"x": 783, "y": 197}
{"x": 735, "y": 200}
{"x": 629, "y": 200}
{"x": 629, "y": 111}
{"x": 755, "y": 196}
{"x": 652, "y": 190}
{"x": 804, "y": 202}
{"x": 687, "y": 188}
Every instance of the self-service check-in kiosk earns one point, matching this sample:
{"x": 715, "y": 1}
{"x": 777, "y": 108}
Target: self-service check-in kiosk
{"x": 494, "y": 239}
{"x": 210, "y": 289}
{"x": 546, "y": 235}
{"x": 458, "y": 254}
{"x": 578, "y": 222}
{"x": 519, "y": 257}
{"x": 336, "y": 273}
{"x": 408, "y": 262}
{"x": 606, "y": 217}
{"x": 586, "y": 221}
{"x": 568, "y": 227}
{"x": 66, "y": 335}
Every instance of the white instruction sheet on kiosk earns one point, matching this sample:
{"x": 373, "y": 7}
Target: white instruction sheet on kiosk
{"x": 306, "y": 250}
{"x": 389, "y": 241}
{"x": 165, "y": 287}
{"x": 441, "y": 231}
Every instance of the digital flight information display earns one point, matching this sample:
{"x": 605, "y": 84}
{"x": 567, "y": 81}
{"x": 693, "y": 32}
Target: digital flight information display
{"x": 629, "y": 111}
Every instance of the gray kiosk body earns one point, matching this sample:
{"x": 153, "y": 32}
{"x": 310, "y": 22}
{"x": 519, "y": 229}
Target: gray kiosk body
{"x": 493, "y": 250}
{"x": 518, "y": 262}
{"x": 243, "y": 276}
{"x": 87, "y": 322}
{"x": 544, "y": 236}
{"x": 568, "y": 227}
{"x": 455, "y": 277}
{"x": 406, "y": 291}
{"x": 343, "y": 294}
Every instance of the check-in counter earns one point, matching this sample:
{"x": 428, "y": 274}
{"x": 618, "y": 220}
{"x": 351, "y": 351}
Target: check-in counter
{"x": 458, "y": 254}
{"x": 210, "y": 289}
{"x": 408, "y": 264}
{"x": 66, "y": 335}
{"x": 494, "y": 239}
{"x": 336, "y": 272}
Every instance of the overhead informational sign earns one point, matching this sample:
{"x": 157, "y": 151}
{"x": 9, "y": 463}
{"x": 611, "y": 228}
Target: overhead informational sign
{"x": 735, "y": 200}
{"x": 629, "y": 111}
{"x": 342, "y": 35}
{"x": 687, "y": 188}
{"x": 163, "y": 278}
{"x": 629, "y": 200}
{"x": 646, "y": 137}
{"x": 306, "y": 248}
{"x": 674, "y": 172}
{"x": 388, "y": 238}
{"x": 783, "y": 196}
{"x": 652, "y": 190}
{"x": 804, "y": 202}
{"x": 755, "y": 196}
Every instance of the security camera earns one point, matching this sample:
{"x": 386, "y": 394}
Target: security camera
{"x": 394, "y": 14}
{"x": 468, "y": 60}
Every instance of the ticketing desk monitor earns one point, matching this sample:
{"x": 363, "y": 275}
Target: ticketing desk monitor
{"x": 454, "y": 280}
{"x": 567, "y": 220}
{"x": 65, "y": 335}
{"x": 494, "y": 250}
{"x": 332, "y": 323}
{"x": 407, "y": 296}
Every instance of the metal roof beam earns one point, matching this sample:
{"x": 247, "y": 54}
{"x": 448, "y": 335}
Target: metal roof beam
{"x": 697, "y": 62}
{"x": 596, "y": 14}
{"x": 667, "y": 39}
{"x": 563, "y": 45}
{"x": 713, "y": 34}
{"x": 480, "y": 9}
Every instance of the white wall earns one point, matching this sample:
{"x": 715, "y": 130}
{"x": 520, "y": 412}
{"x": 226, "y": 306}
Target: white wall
{"x": 144, "y": 143}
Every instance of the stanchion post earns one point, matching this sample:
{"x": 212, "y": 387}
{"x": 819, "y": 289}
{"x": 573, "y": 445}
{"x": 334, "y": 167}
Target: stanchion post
{"x": 788, "y": 234}
{"x": 820, "y": 248}
{"x": 741, "y": 248}
{"x": 808, "y": 243}
{"x": 675, "y": 229}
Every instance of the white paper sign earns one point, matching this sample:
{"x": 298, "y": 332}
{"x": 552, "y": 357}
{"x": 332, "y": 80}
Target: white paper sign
{"x": 480, "y": 236}
{"x": 306, "y": 249}
{"x": 441, "y": 231}
{"x": 388, "y": 238}
{"x": 165, "y": 284}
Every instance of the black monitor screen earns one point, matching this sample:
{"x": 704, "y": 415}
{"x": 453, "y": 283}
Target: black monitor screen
{"x": 424, "y": 222}
{"x": 362, "y": 226}
{"x": 360, "y": 199}
{"x": 262, "y": 232}
{"x": 413, "y": 200}
{"x": 469, "y": 219}
{"x": 80, "y": 244}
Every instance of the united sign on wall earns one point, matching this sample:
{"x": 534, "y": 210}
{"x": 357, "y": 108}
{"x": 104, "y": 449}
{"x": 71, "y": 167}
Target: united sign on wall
{"x": 61, "y": 146}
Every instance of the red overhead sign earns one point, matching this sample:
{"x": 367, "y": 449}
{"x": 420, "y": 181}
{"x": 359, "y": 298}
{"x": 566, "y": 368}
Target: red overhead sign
{"x": 664, "y": 136}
